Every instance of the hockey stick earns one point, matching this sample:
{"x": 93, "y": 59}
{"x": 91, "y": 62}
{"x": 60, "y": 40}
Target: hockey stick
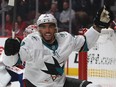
{"x": 14, "y": 19}
{"x": 114, "y": 22}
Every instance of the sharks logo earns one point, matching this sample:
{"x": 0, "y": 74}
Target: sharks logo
{"x": 54, "y": 70}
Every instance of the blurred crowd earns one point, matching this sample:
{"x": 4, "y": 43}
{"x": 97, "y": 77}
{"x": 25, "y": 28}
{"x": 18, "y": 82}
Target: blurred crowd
{"x": 75, "y": 16}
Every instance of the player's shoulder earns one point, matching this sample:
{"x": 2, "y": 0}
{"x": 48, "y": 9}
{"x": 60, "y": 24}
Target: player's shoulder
{"x": 33, "y": 36}
{"x": 63, "y": 34}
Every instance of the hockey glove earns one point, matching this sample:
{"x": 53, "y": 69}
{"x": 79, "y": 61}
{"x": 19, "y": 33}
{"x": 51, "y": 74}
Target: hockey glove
{"x": 12, "y": 46}
{"x": 103, "y": 17}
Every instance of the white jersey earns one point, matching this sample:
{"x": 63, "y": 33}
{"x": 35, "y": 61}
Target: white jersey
{"x": 45, "y": 62}
{"x": 4, "y": 75}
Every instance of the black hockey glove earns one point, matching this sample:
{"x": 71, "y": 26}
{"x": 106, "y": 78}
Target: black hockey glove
{"x": 12, "y": 46}
{"x": 104, "y": 17}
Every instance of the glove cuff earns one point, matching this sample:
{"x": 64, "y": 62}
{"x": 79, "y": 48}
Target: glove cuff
{"x": 101, "y": 24}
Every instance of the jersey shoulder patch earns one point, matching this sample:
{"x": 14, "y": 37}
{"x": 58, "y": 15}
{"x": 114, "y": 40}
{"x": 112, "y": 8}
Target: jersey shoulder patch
{"x": 63, "y": 34}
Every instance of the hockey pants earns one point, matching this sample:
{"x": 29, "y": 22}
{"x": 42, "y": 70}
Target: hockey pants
{"x": 70, "y": 82}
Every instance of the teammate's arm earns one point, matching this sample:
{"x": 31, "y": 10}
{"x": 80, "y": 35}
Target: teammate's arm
{"x": 11, "y": 50}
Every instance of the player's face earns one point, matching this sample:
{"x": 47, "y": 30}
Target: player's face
{"x": 47, "y": 32}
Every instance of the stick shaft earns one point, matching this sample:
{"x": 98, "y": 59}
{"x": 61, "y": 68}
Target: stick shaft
{"x": 114, "y": 23}
{"x": 14, "y": 19}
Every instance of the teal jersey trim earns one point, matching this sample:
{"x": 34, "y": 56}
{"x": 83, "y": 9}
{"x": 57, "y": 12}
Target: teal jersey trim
{"x": 19, "y": 62}
{"x": 84, "y": 48}
{"x": 52, "y": 46}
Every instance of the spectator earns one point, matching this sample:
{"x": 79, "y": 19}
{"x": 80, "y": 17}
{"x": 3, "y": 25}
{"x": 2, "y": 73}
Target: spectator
{"x": 82, "y": 5}
{"x": 65, "y": 16}
{"x": 8, "y": 25}
{"x": 31, "y": 16}
{"x": 54, "y": 11}
{"x": 81, "y": 21}
{"x": 44, "y": 5}
{"x": 21, "y": 25}
{"x": 22, "y": 9}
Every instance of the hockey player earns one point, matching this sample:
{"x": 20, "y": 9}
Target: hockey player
{"x": 30, "y": 29}
{"x": 4, "y": 75}
{"x": 47, "y": 50}
{"x": 8, "y": 76}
